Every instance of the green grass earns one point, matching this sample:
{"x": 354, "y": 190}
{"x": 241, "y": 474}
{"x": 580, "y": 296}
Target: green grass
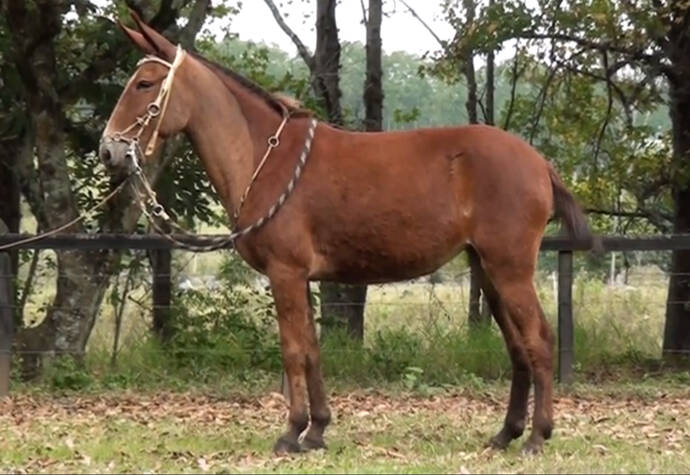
{"x": 372, "y": 432}
{"x": 415, "y": 334}
{"x": 441, "y": 390}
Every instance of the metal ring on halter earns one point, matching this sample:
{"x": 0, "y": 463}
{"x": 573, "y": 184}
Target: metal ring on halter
{"x": 273, "y": 141}
{"x": 157, "y": 210}
{"x": 153, "y": 109}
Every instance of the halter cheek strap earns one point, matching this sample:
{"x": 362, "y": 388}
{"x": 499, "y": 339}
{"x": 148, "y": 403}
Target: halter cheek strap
{"x": 163, "y": 94}
{"x": 157, "y": 108}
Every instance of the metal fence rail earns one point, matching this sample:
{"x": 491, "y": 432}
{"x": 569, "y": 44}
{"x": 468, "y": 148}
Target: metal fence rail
{"x": 91, "y": 242}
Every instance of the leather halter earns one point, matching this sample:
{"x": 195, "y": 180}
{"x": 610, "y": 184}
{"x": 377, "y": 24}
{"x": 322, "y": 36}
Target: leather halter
{"x": 157, "y": 108}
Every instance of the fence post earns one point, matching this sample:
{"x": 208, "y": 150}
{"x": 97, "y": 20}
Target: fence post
{"x": 566, "y": 337}
{"x": 161, "y": 266}
{"x": 6, "y": 322}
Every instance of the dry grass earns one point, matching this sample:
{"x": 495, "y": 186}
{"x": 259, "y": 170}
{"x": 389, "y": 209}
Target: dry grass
{"x": 371, "y": 432}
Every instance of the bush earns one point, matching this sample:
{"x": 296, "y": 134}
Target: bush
{"x": 232, "y": 328}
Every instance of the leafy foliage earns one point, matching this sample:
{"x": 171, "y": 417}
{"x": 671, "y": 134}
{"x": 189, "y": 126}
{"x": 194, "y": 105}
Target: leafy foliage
{"x": 588, "y": 95}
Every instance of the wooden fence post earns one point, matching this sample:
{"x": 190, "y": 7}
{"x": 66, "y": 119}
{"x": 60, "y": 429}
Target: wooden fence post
{"x": 6, "y": 322}
{"x": 161, "y": 267}
{"x": 566, "y": 337}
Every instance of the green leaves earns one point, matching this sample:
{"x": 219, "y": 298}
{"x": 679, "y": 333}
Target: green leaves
{"x": 588, "y": 95}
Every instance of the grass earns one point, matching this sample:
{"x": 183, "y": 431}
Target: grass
{"x": 441, "y": 390}
{"x": 415, "y": 334}
{"x": 373, "y": 432}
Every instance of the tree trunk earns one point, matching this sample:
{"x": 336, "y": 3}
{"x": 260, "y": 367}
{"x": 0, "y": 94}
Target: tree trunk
{"x": 83, "y": 277}
{"x": 79, "y": 289}
{"x": 490, "y": 84}
{"x": 9, "y": 196}
{"x": 373, "y": 84}
{"x": 474, "y": 311}
{"x": 327, "y": 60}
{"x": 341, "y": 305}
{"x": 161, "y": 268}
{"x": 468, "y": 69}
{"x": 676, "y": 343}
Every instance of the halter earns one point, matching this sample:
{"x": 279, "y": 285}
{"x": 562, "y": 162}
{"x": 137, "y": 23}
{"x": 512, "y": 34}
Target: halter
{"x": 157, "y": 108}
{"x": 143, "y": 191}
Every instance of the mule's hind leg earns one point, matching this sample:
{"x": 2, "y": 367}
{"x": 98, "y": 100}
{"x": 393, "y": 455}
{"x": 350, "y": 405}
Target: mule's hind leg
{"x": 297, "y": 335}
{"x": 318, "y": 404}
{"x": 512, "y": 277}
{"x": 516, "y": 416}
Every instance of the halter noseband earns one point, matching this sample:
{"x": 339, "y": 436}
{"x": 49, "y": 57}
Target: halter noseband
{"x": 157, "y": 108}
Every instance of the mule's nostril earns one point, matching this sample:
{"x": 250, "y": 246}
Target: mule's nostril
{"x": 105, "y": 155}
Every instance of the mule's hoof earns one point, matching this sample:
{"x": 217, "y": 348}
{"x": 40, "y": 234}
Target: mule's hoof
{"x": 500, "y": 441}
{"x": 285, "y": 446}
{"x": 313, "y": 444}
{"x": 533, "y": 447}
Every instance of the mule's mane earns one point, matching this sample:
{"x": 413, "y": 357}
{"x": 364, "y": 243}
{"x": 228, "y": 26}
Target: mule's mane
{"x": 277, "y": 101}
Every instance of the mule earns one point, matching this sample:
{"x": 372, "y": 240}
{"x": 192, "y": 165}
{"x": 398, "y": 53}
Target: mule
{"x": 368, "y": 207}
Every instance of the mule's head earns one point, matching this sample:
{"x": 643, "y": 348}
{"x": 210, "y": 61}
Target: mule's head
{"x": 154, "y": 105}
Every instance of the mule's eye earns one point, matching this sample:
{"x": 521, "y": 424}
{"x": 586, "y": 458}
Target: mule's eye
{"x": 144, "y": 85}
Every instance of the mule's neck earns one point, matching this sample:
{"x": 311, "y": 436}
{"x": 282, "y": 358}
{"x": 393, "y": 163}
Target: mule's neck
{"x": 229, "y": 130}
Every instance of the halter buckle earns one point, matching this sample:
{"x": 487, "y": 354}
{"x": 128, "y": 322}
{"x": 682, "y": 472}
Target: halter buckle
{"x": 273, "y": 141}
{"x": 157, "y": 210}
{"x": 153, "y": 109}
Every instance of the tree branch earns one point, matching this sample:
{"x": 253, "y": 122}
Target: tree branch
{"x": 513, "y": 87}
{"x": 301, "y": 48}
{"x": 364, "y": 14}
{"x": 441, "y": 42}
{"x": 609, "y": 106}
{"x": 653, "y": 60}
{"x": 196, "y": 20}
{"x": 658, "y": 219}
{"x": 542, "y": 102}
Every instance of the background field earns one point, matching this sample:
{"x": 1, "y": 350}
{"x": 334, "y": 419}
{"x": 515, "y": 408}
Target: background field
{"x": 639, "y": 429}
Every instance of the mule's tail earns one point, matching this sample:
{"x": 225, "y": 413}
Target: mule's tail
{"x": 570, "y": 213}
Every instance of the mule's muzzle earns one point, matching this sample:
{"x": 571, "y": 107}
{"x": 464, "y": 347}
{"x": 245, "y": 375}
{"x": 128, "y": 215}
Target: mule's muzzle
{"x": 115, "y": 155}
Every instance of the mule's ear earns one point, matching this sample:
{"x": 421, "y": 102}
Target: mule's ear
{"x": 138, "y": 39}
{"x": 164, "y": 48}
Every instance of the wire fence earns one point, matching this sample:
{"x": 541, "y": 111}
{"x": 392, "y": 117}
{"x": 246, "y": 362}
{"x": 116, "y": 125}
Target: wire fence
{"x": 421, "y": 306}
{"x": 621, "y": 314}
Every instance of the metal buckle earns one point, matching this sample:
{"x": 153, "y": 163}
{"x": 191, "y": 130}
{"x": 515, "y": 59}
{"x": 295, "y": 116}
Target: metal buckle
{"x": 153, "y": 109}
{"x": 273, "y": 141}
{"x": 157, "y": 210}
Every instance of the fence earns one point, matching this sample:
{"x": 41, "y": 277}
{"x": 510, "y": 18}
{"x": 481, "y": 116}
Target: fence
{"x": 161, "y": 293}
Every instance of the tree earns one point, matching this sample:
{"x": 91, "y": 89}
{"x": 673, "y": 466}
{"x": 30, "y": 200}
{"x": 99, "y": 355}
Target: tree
{"x": 67, "y": 80}
{"x": 373, "y": 83}
{"x": 630, "y": 57}
{"x": 339, "y": 302}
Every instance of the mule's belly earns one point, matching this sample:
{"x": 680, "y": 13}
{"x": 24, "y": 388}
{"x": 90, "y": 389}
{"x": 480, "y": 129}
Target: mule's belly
{"x": 377, "y": 258}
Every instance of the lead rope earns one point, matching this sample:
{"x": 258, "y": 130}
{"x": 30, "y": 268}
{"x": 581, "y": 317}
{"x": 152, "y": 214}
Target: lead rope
{"x": 148, "y": 197}
{"x": 76, "y": 220}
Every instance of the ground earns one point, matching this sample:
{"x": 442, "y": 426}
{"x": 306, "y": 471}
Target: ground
{"x": 597, "y": 430}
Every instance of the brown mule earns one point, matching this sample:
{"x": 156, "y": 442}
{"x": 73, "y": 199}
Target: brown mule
{"x": 368, "y": 208}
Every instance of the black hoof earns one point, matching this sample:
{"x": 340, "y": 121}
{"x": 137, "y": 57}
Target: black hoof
{"x": 500, "y": 441}
{"x": 285, "y": 446}
{"x": 533, "y": 447}
{"x": 313, "y": 444}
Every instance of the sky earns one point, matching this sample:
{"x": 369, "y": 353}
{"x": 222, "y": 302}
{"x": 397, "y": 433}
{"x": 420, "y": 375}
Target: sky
{"x": 399, "y": 31}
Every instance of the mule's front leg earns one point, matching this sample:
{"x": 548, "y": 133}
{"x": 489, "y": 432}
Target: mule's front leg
{"x": 297, "y": 337}
{"x": 318, "y": 404}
